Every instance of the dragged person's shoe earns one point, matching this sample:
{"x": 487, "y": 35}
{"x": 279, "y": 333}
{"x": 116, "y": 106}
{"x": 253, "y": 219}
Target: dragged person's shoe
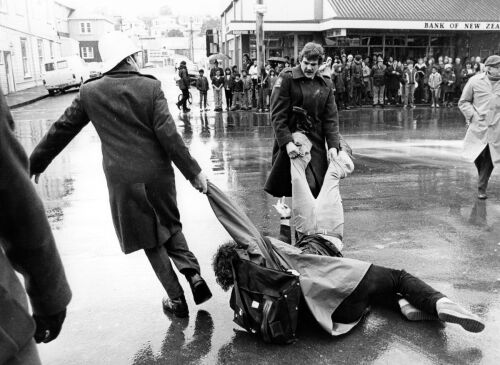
{"x": 412, "y": 313}
{"x": 482, "y": 196}
{"x": 201, "y": 292}
{"x": 178, "y": 306}
{"x": 451, "y": 312}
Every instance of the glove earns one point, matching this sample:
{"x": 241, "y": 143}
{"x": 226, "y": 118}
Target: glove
{"x": 48, "y": 327}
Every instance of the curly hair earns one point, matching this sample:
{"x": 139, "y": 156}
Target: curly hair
{"x": 312, "y": 51}
{"x": 221, "y": 264}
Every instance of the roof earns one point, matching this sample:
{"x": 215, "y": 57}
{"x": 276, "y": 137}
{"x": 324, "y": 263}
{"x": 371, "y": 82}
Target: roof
{"x": 84, "y": 15}
{"x": 431, "y": 10}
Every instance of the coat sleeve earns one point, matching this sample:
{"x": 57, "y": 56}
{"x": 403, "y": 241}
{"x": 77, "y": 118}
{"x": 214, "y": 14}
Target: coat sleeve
{"x": 330, "y": 122}
{"x": 280, "y": 107}
{"x": 171, "y": 141}
{"x": 465, "y": 102}
{"x": 25, "y": 234}
{"x": 59, "y": 135}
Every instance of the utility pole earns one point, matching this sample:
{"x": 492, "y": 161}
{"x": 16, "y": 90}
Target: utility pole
{"x": 260, "y": 9}
{"x": 191, "y": 44}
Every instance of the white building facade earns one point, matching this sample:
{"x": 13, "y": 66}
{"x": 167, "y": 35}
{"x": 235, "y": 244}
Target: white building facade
{"x": 28, "y": 37}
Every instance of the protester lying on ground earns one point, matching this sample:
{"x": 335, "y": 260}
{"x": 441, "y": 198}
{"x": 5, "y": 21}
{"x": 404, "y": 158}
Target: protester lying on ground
{"x": 337, "y": 290}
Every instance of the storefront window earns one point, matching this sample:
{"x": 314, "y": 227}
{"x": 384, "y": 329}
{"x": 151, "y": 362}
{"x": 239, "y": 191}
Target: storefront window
{"x": 418, "y": 41}
{"x": 377, "y": 41}
{"x": 395, "y": 40}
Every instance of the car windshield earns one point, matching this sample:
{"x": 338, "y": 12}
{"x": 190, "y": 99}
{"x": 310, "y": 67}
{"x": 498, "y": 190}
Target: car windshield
{"x": 49, "y": 67}
{"x": 62, "y": 64}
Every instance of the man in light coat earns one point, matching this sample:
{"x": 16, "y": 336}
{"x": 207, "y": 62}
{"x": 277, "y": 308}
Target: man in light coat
{"x": 139, "y": 141}
{"x": 480, "y": 104}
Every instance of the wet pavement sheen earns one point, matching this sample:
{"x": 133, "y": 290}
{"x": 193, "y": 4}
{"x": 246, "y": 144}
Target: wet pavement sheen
{"x": 410, "y": 203}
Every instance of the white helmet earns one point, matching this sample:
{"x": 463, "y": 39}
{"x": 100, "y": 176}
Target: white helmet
{"x": 115, "y": 47}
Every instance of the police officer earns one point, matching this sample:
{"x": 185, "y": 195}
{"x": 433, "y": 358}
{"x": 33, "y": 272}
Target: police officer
{"x": 303, "y": 87}
{"x": 139, "y": 141}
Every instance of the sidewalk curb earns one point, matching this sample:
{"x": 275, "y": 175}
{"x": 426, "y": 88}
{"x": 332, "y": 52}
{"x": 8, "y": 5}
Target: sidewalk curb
{"x": 27, "y": 102}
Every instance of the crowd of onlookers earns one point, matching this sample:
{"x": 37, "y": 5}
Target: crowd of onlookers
{"x": 357, "y": 81}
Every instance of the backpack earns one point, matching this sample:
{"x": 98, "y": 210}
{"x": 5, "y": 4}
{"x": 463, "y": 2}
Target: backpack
{"x": 265, "y": 301}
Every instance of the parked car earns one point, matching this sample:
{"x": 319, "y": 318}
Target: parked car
{"x": 64, "y": 73}
{"x": 95, "y": 69}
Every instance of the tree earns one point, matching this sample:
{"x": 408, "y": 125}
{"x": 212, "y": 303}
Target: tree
{"x": 165, "y": 10}
{"x": 175, "y": 33}
{"x": 209, "y": 23}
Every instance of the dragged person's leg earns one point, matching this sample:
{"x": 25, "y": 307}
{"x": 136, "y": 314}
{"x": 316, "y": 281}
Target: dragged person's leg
{"x": 303, "y": 202}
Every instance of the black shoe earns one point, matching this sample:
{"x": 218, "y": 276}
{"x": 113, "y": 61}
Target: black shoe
{"x": 482, "y": 196}
{"x": 178, "y": 307}
{"x": 201, "y": 292}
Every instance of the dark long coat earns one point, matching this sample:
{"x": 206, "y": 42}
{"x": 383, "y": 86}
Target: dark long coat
{"x": 139, "y": 140}
{"x": 317, "y": 97}
{"x": 27, "y": 245}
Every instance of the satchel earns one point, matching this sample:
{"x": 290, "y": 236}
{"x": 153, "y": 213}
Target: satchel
{"x": 266, "y": 301}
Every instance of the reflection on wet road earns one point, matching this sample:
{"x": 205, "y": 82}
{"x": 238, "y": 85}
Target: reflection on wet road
{"x": 409, "y": 204}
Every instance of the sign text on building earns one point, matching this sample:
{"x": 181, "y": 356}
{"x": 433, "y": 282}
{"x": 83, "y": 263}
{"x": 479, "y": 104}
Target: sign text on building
{"x": 462, "y": 25}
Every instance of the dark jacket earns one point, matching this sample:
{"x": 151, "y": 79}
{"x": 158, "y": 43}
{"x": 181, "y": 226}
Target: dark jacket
{"x": 139, "y": 140}
{"x": 184, "y": 78}
{"x": 202, "y": 83}
{"x": 316, "y": 96}
{"x": 379, "y": 75}
{"x": 238, "y": 86}
{"x": 214, "y": 70}
{"x": 393, "y": 78}
{"x": 26, "y": 244}
{"x": 228, "y": 82}
{"x": 217, "y": 82}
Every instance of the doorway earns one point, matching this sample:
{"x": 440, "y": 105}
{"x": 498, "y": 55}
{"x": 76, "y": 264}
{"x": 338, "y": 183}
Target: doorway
{"x": 11, "y": 86}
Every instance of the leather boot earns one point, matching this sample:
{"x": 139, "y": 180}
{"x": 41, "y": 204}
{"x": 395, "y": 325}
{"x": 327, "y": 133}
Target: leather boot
{"x": 201, "y": 292}
{"x": 178, "y": 307}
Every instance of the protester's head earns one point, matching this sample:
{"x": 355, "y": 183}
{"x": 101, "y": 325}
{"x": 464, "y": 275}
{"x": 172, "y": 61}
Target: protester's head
{"x": 216, "y": 63}
{"x": 227, "y": 71}
{"x": 447, "y": 67}
{"x": 391, "y": 60}
{"x": 237, "y": 76}
{"x": 476, "y": 67}
{"x": 420, "y": 61}
{"x": 182, "y": 64}
{"x": 434, "y": 69}
{"x": 440, "y": 60}
{"x": 272, "y": 72}
{"x": 201, "y": 72}
{"x": 254, "y": 62}
{"x": 117, "y": 50}
{"x": 410, "y": 65}
{"x": 221, "y": 264}
{"x": 367, "y": 60}
{"x": 234, "y": 69}
{"x": 380, "y": 61}
{"x": 431, "y": 61}
{"x": 311, "y": 57}
{"x": 492, "y": 65}
{"x": 244, "y": 73}
{"x": 350, "y": 58}
{"x": 478, "y": 59}
{"x": 246, "y": 58}
{"x": 446, "y": 59}
{"x": 287, "y": 64}
{"x": 217, "y": 73}
{"x": 457, "y": 61}
{"x": 358, "y": 57}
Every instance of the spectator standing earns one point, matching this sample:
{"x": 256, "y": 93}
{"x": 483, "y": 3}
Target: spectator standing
{"x": 379, "y": 75}
{"x": 457, "y": 70}
{"x": 247, "y": 91}
{"x": 348, "y": 80}
{"x": 246, "y": 63}
{"x": 202, "y": 86}
{"x": 357, "y": 81}
{"x": 479, "y": 105}
{"x": 271, "y": 80}
{"x": 448, "y": 85}
{"x": 253, "y": 71}
{"x": 409, "y": 76}
{"x": 262, "y": 86}
{"x": 481, "y": 65}
{"x": 338, "y": 80}
{"x": 467, "y": 73}
{"x": 218, "y": 86}
{"x": 393, "y": 82}
{"x": 367, "y": 81}
{"x": 434, "y": 83}
{"x": 421, "y": 69}
{"x": 428, "y": 71}
{"x": 228, "y": 87}
{"x": 214, "y": 69}
{"x": 237, "y": 92}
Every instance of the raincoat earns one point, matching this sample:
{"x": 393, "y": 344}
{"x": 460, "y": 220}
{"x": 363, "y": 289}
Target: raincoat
{"x": 325, "y": 280}
{"x": 480, "y": 104}
{"x": 139, "y": 141}
{"x": 26, "y": 243}
{"x": 317, "y": 97}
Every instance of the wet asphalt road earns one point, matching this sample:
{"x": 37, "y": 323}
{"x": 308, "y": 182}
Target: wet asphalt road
{"x": 409, "y": 204}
